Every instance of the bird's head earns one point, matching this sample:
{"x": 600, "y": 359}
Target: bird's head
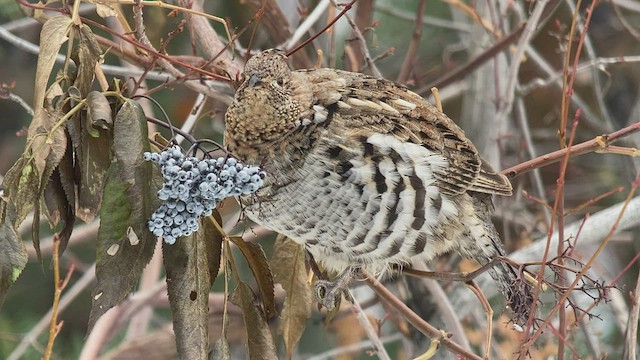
{"x": 269, "y": 105}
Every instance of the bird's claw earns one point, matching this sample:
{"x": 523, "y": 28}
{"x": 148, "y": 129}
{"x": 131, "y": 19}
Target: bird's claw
{"x": 329, "y": 293}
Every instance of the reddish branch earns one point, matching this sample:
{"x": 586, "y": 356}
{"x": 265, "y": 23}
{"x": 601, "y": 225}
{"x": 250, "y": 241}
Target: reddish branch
{"x": 419, "y": 323}
{"x": 54, "y": 327}
{"x": 600, "y": 143}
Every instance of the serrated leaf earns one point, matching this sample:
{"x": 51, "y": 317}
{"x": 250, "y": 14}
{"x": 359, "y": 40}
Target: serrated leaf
{"x": 289, "y": 270}
{"x": 21, "y": 187}
{"x": 188, "y": 287}
{"x": 129, "y": 199}
{"x": 53, "y": 34}
{"x": 25, "y": 182}
{"x": 13, "y": 254}
{"x": 213, "y": 244}
{"x": 260, "y": 342}
{"x": 87, "y": 55}
{"x": 50, "y": 150}
{"x": 259, "y": 266}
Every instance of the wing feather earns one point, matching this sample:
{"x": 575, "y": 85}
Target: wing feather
{"x": 371, "y": 105}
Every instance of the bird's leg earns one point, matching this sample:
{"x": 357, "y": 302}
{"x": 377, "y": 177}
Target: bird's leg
{"x": 327, "y": 293}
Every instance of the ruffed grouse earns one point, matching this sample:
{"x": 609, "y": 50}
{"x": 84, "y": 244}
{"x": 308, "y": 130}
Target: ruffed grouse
{"x": 362, "y": 171}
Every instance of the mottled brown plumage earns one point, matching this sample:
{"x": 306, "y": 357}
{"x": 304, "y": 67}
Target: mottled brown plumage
{"x": 362, "y": 171}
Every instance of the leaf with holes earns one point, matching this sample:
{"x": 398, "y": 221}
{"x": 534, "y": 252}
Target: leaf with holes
{"x": 259, "y": 266}
{"x": 188, "y": 287}
{"x": 125, "y": 245}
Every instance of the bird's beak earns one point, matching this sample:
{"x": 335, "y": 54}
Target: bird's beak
{"x": 254, "y": 80}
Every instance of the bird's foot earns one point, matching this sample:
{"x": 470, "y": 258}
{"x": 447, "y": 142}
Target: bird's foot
{"x": 328, "y": 293}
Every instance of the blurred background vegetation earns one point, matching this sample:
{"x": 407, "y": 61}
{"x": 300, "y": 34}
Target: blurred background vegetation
{"x": 453, "y": 33}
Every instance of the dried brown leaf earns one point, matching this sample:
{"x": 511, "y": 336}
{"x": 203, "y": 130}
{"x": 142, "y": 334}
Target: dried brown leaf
{"x": 289, "y": 270}
{"x": 213, "y": 243}
{"x": 99, "y": 110}
{"x": 129, "y": 199}
{"x": 220, "y": 350}
{"x": 188, "y": 286}
{"x": 259, "y": 266}
{"x": 53, "y": 34}
{"x": 260, "y": 342}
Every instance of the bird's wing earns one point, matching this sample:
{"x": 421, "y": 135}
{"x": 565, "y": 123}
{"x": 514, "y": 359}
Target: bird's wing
{"x": 390, "y": 118}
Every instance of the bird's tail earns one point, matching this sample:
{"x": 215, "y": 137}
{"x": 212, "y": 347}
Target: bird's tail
{"x": 515, "y": 290}
{"x": 512, "y": 286}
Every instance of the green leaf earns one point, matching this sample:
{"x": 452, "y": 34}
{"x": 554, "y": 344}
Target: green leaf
{"x": 188, "y": 287}
{"x": 125, "y": 245}
{"x": 260, "y": 342}
{"x": 288, "y": 266}
{"x": 13, "y": 254}
{"x": 259, "y": 266}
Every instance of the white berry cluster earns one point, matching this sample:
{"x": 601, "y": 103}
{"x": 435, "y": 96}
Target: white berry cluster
{"x": 192, "y": 188}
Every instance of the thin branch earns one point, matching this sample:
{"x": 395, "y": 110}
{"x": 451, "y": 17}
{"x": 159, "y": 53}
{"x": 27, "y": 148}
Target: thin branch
{"x": 415, "y": 320}
{"x": 373, "y": 336}
{"x": 570, "y": 74}
{"x": 631, "y": 341}
{"x": 306, "y": 25}
{"x": 59, "y": 285}
{"x": 7, "y": 94}
{"x": 598, "y": 144}
{"x": 528, "y": 32}
{"x": 70, "y": 295}
{"x": 585, "y": 268}
{"x": 426, "y": 19}
{"x": 598, "y": 63}
{"x": 592, "y": 119}
{"x": 353, "y": 348}
{"x": 369, "y": 62}
{"x": 409, "y": 59}
{"x": 521, "y": 115}
{"x": 346, "y": 8}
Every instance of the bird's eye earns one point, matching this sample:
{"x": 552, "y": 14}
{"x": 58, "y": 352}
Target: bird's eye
{"x": 280, "y": 82}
